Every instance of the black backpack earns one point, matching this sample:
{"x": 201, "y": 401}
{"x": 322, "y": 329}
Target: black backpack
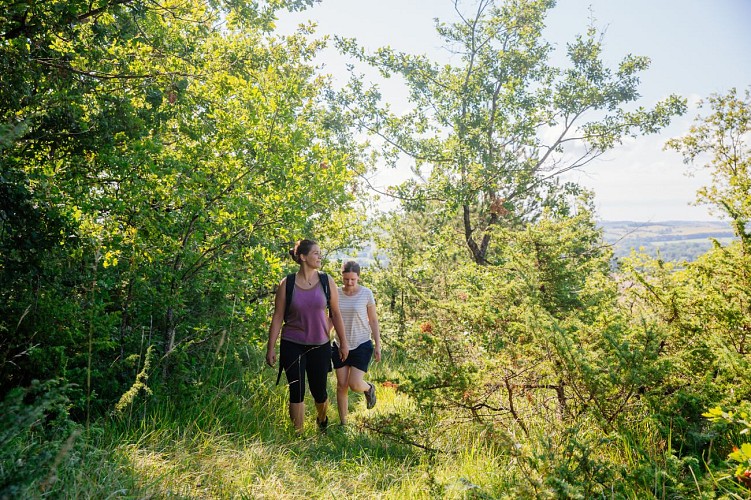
{"x": 290, "y": 287}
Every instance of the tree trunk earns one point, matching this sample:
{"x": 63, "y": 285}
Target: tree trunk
{"x": 478, "y": 254}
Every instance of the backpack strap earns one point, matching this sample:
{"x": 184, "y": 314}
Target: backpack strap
{"x": 326, "y": 291}
{"x": 290, "y": 288}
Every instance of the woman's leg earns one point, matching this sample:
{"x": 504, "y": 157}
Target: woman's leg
{"x": 356, "y": 382}
{"x": 359, "y": 359}
{"x": 293, "y": 361}
{"x": 342, "y": 393}
{"x": 297, "y": 414}
{"x": 318, "y": 365}
{"x": 321, "y": 411}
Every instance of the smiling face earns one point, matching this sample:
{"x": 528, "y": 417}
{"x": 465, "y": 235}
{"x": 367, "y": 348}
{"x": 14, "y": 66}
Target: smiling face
{"x": 313, "y": 258}
{"x": 349, "y": 281}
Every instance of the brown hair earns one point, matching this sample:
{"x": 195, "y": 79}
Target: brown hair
{"x": 351, "y": 267}
{"x": 302, "y": 247}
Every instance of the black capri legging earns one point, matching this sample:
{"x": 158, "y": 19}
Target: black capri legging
{"x": 299, "y": 360}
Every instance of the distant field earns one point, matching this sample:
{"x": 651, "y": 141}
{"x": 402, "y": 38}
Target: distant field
{"x": 673, "y": 240}
{"x": 723, "y": 241}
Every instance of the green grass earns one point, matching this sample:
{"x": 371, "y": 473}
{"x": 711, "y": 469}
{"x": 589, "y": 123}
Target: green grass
{"x": 262, "y": 457}
{"x": 233, "y": 439}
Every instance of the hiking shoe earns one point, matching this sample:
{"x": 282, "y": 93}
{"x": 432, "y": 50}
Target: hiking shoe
{"x": 323, "y": 425}
{"x": 370, "y": 397}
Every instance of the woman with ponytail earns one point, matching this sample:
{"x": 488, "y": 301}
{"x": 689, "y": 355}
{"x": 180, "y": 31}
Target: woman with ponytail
{"x": 302, "y": 322}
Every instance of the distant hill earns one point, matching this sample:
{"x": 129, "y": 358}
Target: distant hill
{"x": 673, "y": 240}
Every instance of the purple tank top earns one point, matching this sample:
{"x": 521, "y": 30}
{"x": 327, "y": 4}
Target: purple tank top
{"x": 306, "y": 321}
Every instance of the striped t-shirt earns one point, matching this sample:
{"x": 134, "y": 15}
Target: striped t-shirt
{"x": 354, "y": 309}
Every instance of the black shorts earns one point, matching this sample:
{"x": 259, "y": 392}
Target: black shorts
{"x": 299, "y": 360}
{"x": 359, "y": 357}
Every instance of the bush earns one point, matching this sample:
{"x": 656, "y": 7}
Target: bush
{"x": 36, "y": 435}
{"x": 732, "y": 427}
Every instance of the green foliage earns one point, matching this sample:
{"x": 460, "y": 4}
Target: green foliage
{"x": 547, "y": 332}
{"x": 493, "y": 339}
{"x": 700, "y": 314}
{"x": 139, "y": 385}
{"x": 158, "y": 161}
{"x": 491, "y": 131}
{"x": 723, "y": 136}
{"x": 36, "y": 437}
{"x": 734, "y": 427}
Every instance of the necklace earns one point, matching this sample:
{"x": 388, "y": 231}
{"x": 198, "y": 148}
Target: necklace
{"x": 308, "y": 280}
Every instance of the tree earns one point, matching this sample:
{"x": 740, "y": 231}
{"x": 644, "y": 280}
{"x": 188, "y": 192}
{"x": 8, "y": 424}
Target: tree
{"x": 170, "y": 152}
{"x": 722, "y": 140}
{"x": 494, "y": 128}
{"x": 701, "y": 309}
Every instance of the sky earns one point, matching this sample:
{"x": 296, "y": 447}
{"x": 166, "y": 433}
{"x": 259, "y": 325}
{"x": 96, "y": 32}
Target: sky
{"x": 697, "y": 47}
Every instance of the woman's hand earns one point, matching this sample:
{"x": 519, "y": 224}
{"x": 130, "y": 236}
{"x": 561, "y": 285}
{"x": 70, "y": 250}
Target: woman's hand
{"x": 343, "y": 351}
{"x": 378, "y": 353}
{"x": 271, "y": 356}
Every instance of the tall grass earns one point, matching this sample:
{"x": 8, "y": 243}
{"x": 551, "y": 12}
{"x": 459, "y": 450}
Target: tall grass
{"x": 236, "y": 441}
{"x": 232, "y": 439}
